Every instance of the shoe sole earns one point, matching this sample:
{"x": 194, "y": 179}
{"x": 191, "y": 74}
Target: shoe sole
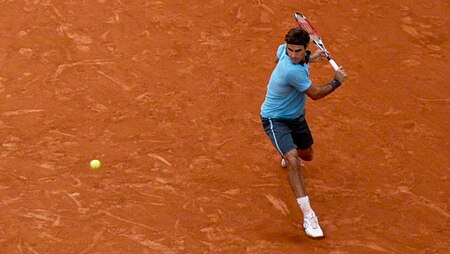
{"x": 315, "y": 238}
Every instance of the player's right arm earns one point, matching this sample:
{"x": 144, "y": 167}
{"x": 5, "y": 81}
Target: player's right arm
{"x": 280, "y": 51}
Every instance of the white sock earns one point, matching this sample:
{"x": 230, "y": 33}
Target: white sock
{"x": 303, "y": 202}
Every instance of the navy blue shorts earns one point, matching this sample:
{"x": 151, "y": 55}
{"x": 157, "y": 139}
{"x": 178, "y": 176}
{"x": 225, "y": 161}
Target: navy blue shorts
{"x": 288, "y": 134}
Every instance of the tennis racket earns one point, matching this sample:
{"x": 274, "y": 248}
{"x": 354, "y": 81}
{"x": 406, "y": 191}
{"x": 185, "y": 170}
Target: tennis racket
{"x": 304, "y": 23}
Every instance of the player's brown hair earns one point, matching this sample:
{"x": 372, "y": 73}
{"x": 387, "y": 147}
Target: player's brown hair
{"x": 297, "y": 36}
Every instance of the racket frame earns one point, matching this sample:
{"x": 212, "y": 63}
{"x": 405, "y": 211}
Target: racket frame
{"x": 304, "y": 23}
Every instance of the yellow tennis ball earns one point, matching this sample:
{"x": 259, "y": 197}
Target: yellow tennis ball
{"x": 95, "y": 164}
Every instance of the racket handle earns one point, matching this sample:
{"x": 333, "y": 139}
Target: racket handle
{"x": 333, "y": 64}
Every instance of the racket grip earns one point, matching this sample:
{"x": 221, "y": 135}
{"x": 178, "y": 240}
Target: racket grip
{"x": 333, "y": 64}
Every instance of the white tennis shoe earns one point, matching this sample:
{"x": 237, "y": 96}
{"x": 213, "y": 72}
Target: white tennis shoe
{"x": 312, "y": 227}
{"x": 283, "y": 163}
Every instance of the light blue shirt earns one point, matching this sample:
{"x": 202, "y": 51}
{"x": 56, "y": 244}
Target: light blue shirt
{"x": 285, "y": 97}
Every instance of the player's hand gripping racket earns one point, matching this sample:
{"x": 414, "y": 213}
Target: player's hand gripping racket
{"x": 304, "y": 23}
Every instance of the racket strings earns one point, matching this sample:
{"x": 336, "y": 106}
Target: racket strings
{"x": 308, "y": 29}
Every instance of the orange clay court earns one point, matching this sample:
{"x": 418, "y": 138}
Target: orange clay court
{"x": 167, "y": 95}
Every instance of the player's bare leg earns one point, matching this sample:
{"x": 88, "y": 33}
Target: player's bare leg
{"x": 295, "y": 176}
{"x": 297, "y": 183}
{"x": 303, "y": 154}
{"x": 306, "y": 154}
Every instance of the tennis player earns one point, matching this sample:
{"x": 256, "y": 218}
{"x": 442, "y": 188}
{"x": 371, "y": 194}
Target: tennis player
{"x": 283, "y": 114}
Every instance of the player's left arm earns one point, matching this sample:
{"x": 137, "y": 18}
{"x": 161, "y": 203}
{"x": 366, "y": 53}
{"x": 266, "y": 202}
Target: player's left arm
{"x": 318, "y": 92}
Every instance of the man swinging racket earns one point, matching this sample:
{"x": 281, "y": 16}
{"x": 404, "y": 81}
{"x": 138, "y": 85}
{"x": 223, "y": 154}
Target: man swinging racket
{"x": 283, "y": 114}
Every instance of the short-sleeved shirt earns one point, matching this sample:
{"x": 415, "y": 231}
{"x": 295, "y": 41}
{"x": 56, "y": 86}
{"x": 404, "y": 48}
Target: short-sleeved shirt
{"x": 285, "y": 97}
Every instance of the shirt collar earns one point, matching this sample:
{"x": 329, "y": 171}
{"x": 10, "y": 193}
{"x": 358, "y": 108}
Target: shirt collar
{"x": 308, "y": 53}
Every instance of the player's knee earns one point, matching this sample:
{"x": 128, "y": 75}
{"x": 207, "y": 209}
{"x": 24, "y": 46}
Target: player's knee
{"x": 291, "y": 157}
{"x": 307, "y": 157}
